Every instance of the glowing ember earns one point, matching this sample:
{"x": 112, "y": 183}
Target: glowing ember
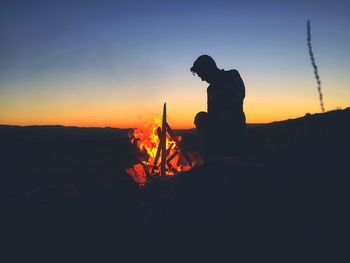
{"x": 138, "y": 174}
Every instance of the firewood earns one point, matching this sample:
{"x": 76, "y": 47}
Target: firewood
{"x": 172, "y": 156}
{"x": 178, "y": 144}
{"x": 159, "y": 132}
{"x": 158, "y": 148}
{"x": 163, "y": 143}
{"x": 169, "y": 149}
{"x": 171, "y": 168}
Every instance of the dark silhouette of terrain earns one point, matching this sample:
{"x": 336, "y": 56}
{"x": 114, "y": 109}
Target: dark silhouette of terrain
{"x": 35, "y": 156}
{"x": 290, "y": 188}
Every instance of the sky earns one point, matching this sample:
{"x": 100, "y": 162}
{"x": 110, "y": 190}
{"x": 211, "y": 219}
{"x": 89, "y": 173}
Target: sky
{"x": 114, "y": 63}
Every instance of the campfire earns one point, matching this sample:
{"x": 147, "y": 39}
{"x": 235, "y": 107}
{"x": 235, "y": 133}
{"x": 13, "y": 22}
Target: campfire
{"x": 160, "y": 152}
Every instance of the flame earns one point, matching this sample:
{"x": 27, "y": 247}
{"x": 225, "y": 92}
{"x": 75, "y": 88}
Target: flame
{"x": 138, "y": 174}
{"x": 146, "y": 141}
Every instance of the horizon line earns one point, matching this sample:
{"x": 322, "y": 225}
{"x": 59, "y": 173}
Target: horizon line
{"x": 103, "y": 127}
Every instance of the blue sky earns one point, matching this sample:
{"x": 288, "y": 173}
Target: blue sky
{"x": 113, "y": 63}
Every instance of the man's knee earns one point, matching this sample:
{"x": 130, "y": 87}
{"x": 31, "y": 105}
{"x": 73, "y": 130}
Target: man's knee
{"x": 201, "y": 119}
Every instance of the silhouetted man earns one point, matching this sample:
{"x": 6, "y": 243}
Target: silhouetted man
{"x": 221, "y": 129}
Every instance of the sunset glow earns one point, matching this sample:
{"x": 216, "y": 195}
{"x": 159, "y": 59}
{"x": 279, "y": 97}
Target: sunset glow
{"x": 116, "y": 64}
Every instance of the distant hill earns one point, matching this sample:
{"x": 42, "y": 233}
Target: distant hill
{"x": 322, "y": 134}
{"x": 52, "y": 131}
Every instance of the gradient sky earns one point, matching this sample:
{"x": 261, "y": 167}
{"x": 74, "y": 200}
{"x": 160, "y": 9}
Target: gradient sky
{"x": 114, "y": 63}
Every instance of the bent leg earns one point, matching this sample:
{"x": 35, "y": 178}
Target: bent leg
{"x": 205, "y": 129}
{"x": 202, "y": 123}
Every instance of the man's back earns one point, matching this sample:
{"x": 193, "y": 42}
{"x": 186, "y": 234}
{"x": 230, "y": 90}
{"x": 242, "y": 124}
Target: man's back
{"x": 225, "y": 97}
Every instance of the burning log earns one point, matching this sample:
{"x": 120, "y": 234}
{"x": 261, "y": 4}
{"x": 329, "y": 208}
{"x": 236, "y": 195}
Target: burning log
{"x": 172, "y": 156}
{"x": 183, "y": 152}
{"x": 163, "y": 142}
{"x": 168, "y": 151}
{"x": 168, "y": 161}
{"x": 171, "y": 168}
{"x": 156, "y": 159}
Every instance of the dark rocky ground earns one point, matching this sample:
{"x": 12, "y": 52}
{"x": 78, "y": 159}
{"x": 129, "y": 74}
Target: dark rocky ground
{"x": 288, "y": 191}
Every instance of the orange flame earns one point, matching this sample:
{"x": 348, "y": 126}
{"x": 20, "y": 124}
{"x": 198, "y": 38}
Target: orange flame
{"x": 147, "y": 141}
{"x": 138, "y": 174}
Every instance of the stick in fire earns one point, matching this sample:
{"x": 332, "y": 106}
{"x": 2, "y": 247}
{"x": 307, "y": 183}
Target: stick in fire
{"x": 174, "y": 138}
{"x": 163, "y": 143}
{"x": 162, "y": 151}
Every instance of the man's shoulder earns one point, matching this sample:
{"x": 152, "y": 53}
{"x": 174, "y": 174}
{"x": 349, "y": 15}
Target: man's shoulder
{"x": 230, "y": 74}
{"x": 233, "y": 71}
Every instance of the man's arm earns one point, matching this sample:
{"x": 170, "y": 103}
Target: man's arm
{"x": 236, "y": 102}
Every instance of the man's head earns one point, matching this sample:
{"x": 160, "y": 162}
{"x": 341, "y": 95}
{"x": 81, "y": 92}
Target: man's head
{"x": 205, "y": 67}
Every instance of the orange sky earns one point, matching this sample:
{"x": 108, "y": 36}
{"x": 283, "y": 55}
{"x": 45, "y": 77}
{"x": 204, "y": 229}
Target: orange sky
{"x": 108, "y": 107}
